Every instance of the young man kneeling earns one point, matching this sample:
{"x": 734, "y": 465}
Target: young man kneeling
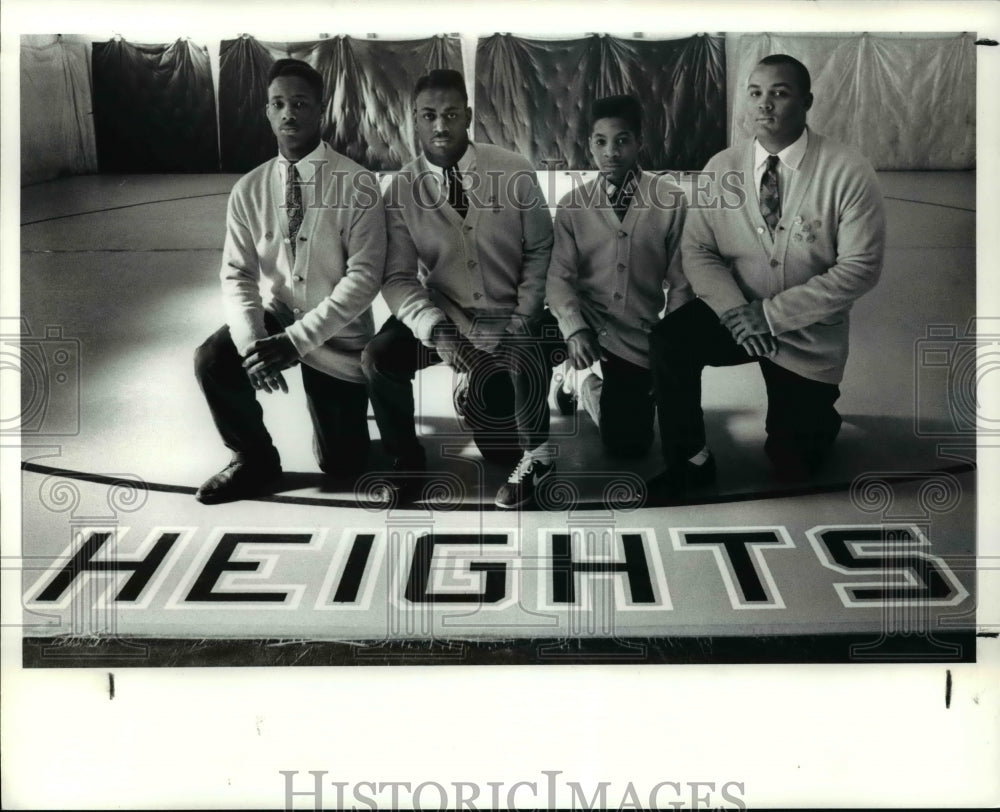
{"x": 615, "y": 264}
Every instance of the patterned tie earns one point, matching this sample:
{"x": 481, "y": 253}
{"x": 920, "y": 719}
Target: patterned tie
{"x": 293, "y": 204}
{"x": 456, "y": 192}
{"x": 770, "y": 197}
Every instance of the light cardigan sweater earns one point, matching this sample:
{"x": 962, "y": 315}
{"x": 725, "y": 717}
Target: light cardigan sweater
{"x": 827, "y": 250}
{"x": 608, "y": 275}
{"x": 485, "y": 273}
{"x": 323, "y": 300}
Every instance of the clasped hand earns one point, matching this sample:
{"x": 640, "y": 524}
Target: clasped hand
{"x": 265, "y": 360}
{"x": 583, "y": 349}
{"x": 748, "y": 327}
{"x": 446, "y": 341}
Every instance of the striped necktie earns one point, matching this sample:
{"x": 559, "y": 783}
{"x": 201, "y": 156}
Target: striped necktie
{"x": 770, "y": 196}
{"x": 293, "y": 204}
{"x": 456, "y": 192}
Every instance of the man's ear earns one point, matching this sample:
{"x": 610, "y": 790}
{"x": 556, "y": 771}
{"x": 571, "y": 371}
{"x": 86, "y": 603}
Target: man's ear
{"x": 809, "y": 101}
{"x": 468, "y": 117}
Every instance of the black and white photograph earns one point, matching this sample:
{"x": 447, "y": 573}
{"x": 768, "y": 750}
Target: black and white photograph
{"x": 519, "y": 405}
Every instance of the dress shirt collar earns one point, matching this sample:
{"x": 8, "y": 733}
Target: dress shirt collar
{"x": 306, "y": 166}
{"x": 791, "y": 156}
{"x": 465, "y": 163}
{"x": 630, "y": 184}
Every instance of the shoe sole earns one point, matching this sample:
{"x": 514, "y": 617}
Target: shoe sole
{"x": 527, "y": 499}
{"x": 516, "y": 505}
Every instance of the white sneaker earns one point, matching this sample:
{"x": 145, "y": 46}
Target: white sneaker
{"x": 563, "y": 392}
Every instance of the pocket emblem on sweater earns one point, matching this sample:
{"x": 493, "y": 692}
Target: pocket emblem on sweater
{"x": 807, "y": 229}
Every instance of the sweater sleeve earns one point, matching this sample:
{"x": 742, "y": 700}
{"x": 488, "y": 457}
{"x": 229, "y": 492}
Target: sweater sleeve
{"x": 678, "y": 288}
{"x": 240, "y": 275}
{"x": 351, "y": 296}
{"x": 536, "y": 240}
{"x": 710, "y": 275}
{"x": 561, "y": 290}
{"x": 406, "y": 296}
{"x": 860, "y": 251}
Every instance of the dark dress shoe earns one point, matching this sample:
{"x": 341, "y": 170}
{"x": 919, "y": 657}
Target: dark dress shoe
{"x": 239, "y": 480}
{"x": 679, "y": 479}
{"x": 404, "y": 483}
{"x": 789, "y": 466}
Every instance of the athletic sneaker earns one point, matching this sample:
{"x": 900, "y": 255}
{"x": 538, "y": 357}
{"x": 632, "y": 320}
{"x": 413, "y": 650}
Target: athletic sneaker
{"x": 460, "y": 394}
{"x": 522, "y": 483}
{"x": 565, "y": 401}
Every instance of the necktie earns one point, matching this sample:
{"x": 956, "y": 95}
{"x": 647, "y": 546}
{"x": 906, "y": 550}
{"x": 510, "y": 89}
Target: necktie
{"x": 770, "y": 197}
{"x": 456, "y": 192}
{"x": 621, "y": 199}
{"x": 293, "y": 204}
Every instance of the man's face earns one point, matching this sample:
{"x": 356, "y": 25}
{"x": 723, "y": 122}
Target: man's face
{"x": 777, "y": 105}
{"x": 442, "y": 121}
{"x": 614, "y": 148}
{"x": 295, "y": 115}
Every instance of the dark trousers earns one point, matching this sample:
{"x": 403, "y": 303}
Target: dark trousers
{"x": 506, "y": 408}
{"x": 801, "y": 421}
{"x": 339, "y": 409}
{"x": 627, "y": 408}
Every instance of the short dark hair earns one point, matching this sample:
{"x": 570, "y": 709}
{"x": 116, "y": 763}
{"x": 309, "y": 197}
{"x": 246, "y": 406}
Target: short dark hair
{"x": 801, "y": 71}
{"x": 442, "y": 79}
{"x": 627, "y": 108}
{"x": 296, "y": 67}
